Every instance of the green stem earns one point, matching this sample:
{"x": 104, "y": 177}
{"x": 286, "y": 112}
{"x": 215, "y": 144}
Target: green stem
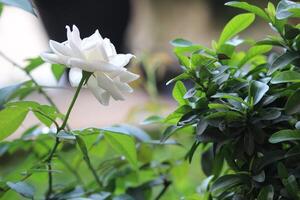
{"x": 85, "y": 76}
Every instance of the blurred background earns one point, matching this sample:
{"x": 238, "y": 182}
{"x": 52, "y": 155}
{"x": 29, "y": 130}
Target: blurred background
{"x": 142, "y": 27}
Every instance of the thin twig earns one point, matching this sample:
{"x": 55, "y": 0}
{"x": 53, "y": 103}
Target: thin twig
{"x": 167, "y": 183}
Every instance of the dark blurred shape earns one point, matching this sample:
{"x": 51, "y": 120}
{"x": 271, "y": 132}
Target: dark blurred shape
{"x": 109, "y": 16}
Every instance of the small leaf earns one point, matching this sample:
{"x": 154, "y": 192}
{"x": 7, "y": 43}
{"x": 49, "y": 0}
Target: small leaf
{"x": 248, "y": 7}
{"x": 283, "y": 60}
{"x": 181, "y": 43}
{"x": 257, "y": 90}
{"x": 22, "y": 188}
{"x": 24, "y": 4}
{"x": 286, "y": 77}
{"x": 285, "y": 135}
{"x": 234, "y": 26}
{"x": 63, "y": 135}
{"x": 178, "y": 93}
{"x": 255, "y": 51}
{"x": 6, "y": 93}
{"x": 58, "y": 71}
{"x": 266, "y": 193}
{"x": 169, "y": 132}
{"x": 10, "y": 120}
{"x": 227, "y": 182}
{"x": 124, "y": 145}
{"x": 292, "y": 105}
{"x": 152, "y": 120}
{"x": 33, "y": 64}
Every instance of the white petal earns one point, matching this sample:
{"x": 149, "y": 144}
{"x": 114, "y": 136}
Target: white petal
{"x": 60, "y": 48}
{"x": 127, "y": 76}
{"x": 120, "y": 59}
{"x": 75, "y": 76}
{"x": 108, "y": 84}
{"x": 76, "y": 35}
{"x": 101, "y": 95}
{"x": 92, "y": 66}
{"x": 90, "y": 41}
{"x": 109, "y": 47}
{"x": 124, "y": 87}
{"x": 96, "y": 53}
{"x": 54, "y": 58}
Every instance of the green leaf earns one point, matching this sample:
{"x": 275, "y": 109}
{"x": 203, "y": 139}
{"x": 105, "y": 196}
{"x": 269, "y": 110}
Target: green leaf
{"x": 63, "y": 135}
{"x": 169, "y": 132}
{"x": 283, "y": 7}
{"x": 283, "y": 60}
{"x": 179, "y": 91}
{"x": 227, "y": 182}
{"x": 266, "y": 193}
{"x": 7, "y": 92}
{"x": 292, "y": 105}
{"x": 230, "y": 96}
{"x": 24, "y": 4}
{"x": 248, "y": 7}
{"x": 285, "y": 135}
{"x": 179, "y": 42}
{"x": 257, "y": 90}
{"x": 10, "y": 120}
{"x": 34, "y": 63}
{"x": 286, "y": 77}
{"x": 234, "y": 26}
{"x": 82, "y": 147}
{"x": 57, "y": 70}
{"x": 152, "y": 120}
{"x": 22, "y": 188}
{"x": 179, "y": 77}
{"x": 124, "y": 145}
{"x": 291, "y": 186}
{"x": 254, "y": 51}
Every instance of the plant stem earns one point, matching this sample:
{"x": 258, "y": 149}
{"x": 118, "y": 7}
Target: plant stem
{"x": 85, "y": 76}
{"x": 40, "y": 89}
{"x": 167, "y": 183}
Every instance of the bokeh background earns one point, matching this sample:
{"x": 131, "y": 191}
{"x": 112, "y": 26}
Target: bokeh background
{"x": 142, "y": 27}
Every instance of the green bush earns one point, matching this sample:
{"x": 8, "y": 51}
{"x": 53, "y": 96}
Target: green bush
{"x": 244, "y": 106}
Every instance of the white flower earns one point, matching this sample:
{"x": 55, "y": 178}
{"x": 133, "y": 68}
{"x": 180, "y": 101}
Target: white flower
{"x": 97, "y": 55}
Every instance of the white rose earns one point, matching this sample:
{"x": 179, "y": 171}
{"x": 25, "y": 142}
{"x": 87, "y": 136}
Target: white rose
{"x": 97, "y": 55}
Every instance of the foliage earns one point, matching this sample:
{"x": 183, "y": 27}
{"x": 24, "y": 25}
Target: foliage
{"x": 243, "y": 106}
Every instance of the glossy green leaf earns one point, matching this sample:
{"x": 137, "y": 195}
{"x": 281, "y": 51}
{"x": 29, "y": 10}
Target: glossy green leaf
{"x": 285, "y": 135}
{"x": 179, "y": 91}
{"x": 254, "y": 51}
{"x": 234, "y": 26}
{"x": 6, "y": 93}
{"x": 248, "y": 7}
{"x": 10, "y": 120}
{"x": 169, "y": 132}
{"x": 181, "y": 43}
{"x": 257, "y": 90}
{"x": 124, "y": 145}
{"x": 292, "y": 105}
{"x": 227, "y": 182}
{"x": 286, "y": 77}
{"x": 22, "y": 188}
{"x": 283, "y": 60}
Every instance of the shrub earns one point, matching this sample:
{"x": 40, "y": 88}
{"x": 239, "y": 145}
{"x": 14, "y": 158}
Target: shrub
{"x": 244, "y": 106}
